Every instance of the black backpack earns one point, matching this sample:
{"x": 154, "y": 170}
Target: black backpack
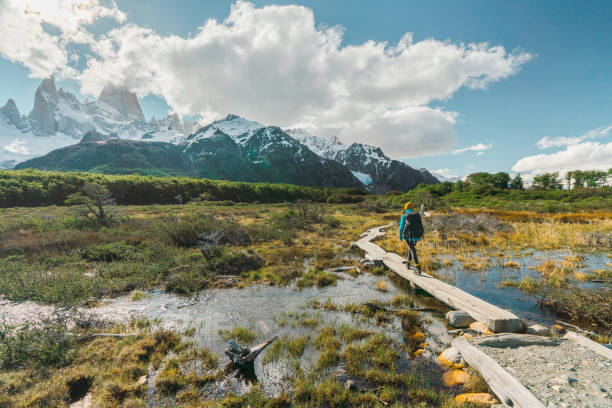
{"x": 413, "y": 226}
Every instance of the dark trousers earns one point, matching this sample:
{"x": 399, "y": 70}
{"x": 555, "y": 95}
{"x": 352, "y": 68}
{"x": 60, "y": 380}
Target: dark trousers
{"x": 412, "y": 253}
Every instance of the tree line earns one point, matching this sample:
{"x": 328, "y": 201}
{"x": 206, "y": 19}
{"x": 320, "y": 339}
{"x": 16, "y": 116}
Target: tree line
{"x": 547, "y": 181}
{"x": 31, "y": 188}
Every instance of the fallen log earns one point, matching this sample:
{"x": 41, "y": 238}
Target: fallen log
{"x": 507, "y": 388}
{"x": 514, "y": 340}
{"x": 376, "y": 307}
{"x": 245, "y": 355}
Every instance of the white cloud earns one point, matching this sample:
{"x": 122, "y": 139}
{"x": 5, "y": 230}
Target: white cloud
{"x": 547, "y": 142}
{"x": 25, "y": 39}
{"x": 479, "y": 147}
{"x": 445, "y": 172}
{"x": 581, "y": 156}
{"x": 274, "y": 65}
{"x": 17, "y": 146}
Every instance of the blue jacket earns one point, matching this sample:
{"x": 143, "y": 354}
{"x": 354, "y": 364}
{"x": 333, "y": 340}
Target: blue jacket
{"x": 415, "y": 228}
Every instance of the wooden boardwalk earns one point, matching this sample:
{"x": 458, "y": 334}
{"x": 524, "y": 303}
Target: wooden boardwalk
{"x": 508, "y": 388}
{"x": 495, "y": 318}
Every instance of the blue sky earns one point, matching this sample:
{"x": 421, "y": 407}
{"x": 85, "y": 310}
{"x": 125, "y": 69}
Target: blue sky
{"x": 563, "y": 90}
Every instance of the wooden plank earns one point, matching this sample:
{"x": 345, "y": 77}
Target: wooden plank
{"x": 495, "y": 318}
{"x": 507, "y": 388}
{"x": 590, "y": 344}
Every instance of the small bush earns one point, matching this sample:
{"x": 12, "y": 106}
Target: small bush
{"x": 188, "y": 232}
{"x": 114, "y": 251}
{"x": 184, "y": 233}
{"x": 41, "y": 347}
{"x": 467, "y": 224}
{"x": 210, "y": 244}
{"x": 331, "y": 222}
{"x": 235, "y": 263}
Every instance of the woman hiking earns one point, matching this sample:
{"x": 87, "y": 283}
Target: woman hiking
{"x": 411, "y": 231}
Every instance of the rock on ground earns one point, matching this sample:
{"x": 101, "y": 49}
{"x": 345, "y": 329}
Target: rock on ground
{"x": 538, "y": 329}
{"x": 459, "y": 319}
{"x": 455, "y": 377}
{"x": 451, "y": 357}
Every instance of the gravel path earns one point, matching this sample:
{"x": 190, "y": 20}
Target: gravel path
{"x": 565, "y": 375}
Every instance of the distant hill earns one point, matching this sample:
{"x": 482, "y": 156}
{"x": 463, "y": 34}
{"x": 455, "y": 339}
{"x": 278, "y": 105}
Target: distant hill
{"x": 115, "y": 156}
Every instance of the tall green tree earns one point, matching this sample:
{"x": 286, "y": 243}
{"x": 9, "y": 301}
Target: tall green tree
{"x": 501, "y": 180}
{"x": 517, "y": 183}
{"x": 498, "y": 180}
{"x": 547, "y": 181}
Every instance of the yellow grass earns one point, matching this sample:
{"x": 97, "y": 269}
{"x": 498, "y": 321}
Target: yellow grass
{"x": 382, "y": 286}
{"x": 511, "y": 264}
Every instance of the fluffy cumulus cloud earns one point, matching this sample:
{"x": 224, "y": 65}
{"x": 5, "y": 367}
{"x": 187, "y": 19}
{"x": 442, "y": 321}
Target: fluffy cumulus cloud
{"x": 547, "y": 142}
{"x": 36, "y": 33}
{"x": 274, "y": 64}
{"x": 577, "y": 154}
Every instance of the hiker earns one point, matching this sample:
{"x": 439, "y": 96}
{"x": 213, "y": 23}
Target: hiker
{"x": 411, "y": 230}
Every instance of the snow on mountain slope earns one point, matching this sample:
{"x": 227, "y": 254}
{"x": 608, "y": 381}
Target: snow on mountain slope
{"x": 442, "y": 178}
{"x": 366, "y": 179}
{"x": 237, "y": 128}
{"x": 324, "y": 147}
{"x": 17, "y": 146}
{"x": 368, "y": 163}
{"x": 58, "y": 119}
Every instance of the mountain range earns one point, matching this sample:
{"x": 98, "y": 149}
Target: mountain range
{"x": 111, "y": 135}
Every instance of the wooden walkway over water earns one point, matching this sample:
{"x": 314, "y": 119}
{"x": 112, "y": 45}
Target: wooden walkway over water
{"x": 510, "y": 391}
{"x": 495, "y": 318}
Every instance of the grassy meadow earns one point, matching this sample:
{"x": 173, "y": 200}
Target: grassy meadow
{"x": 53, "y": 255}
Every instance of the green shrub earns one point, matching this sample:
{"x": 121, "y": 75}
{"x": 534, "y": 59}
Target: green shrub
{"x": 114, "y": 251}
{"x": 234, "y": 263}
{"x": 184, "y": 233}
{"x": 44, "y": 346}
{"x": 31, "y": 188}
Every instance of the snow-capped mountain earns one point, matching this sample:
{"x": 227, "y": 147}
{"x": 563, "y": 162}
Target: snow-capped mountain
{"x": 238, "y": 149}
{"x": 232, "y": 148}
{"x": 443, "y": 179}
{"x": 368, "y": 163}
{"x": 59, "y": 119}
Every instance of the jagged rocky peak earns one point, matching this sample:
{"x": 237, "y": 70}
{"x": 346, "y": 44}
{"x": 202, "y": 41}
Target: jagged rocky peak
{"x": 124, "y": 101}
{"x": 45, "y": 101}
{"x": 48, "y": 86}
{"x": 12, "y": 115}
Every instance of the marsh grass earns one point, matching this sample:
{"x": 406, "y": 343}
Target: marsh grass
{"x": 583, "y": 305}
{"x": 317, "y": 278}
{"x": 239, "y": 333}
{"x": 381, "y": 286}
{"x": 51, "y": 367}
{"x": 50, "y": 256}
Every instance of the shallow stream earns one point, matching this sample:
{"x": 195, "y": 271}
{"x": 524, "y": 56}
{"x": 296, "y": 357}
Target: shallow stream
{"x": 485, "y": 284}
